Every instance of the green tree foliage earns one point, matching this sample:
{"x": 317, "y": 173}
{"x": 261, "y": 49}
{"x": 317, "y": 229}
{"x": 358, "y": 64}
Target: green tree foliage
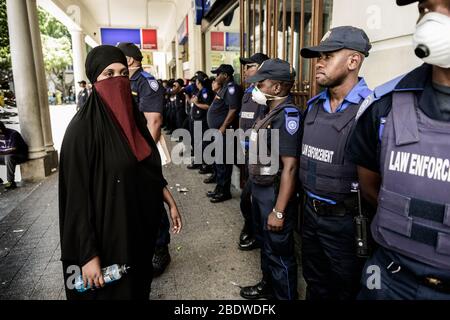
{"x": 56, "y": 46}
{"x": 51, "y": 27}
{"x": 57, "y": 57}
{"x": 5, "y": 55}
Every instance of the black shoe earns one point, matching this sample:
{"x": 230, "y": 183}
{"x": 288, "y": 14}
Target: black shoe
{"x": 161, "y": 260}
{"x": 259, "y": 291}
{"x": 248, "y": 244}
{"x": 10, "y": 185}
{"x": 210, "y": 179}
{"x": 212, "y": 194}
{"x": 205, "y": 170}
{"x": 194, "y": 166}
{"x": 220, "y": 197}
{"x": 245, "y": 234}
{"x": 1, "y": 181}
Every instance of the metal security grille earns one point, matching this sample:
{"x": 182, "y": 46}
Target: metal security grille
{"x": 280, "y": 28}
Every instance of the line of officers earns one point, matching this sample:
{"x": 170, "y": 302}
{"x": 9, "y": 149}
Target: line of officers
{"x": 349, "y": 141}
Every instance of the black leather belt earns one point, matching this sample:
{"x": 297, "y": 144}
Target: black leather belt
{"x": 340, "y": 209}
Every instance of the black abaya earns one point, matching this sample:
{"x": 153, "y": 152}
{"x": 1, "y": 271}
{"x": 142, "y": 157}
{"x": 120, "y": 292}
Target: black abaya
{"x": 110, "y": 204}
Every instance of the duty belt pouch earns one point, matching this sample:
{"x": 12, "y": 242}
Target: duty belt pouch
{"x": 260, "y": 175}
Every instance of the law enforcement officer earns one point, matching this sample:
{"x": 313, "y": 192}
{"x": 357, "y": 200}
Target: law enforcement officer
{"x": 191, "y": 92}
{"x": 222, "y": 115}
{"x": 331, "y": 267}
{"x": 250, "y": 111}
{"x": 401, "y": 145}
{"x": 83, "y": 95}
{"x": 166, "y": 104}
{"x": 178, "y": 101}
{"x": 200, "y": 106}
{"x": 274, "y": 185}
{"x": 149, "y": 97}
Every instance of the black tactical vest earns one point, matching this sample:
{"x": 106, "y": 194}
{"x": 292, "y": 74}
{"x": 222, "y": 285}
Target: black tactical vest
{"x": 413, "y": 214}
{"x": 324, "y": 168}
{"x": 260, "y": 174}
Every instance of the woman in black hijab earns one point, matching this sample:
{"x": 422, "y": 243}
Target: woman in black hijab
{"x": 111, "y": 187}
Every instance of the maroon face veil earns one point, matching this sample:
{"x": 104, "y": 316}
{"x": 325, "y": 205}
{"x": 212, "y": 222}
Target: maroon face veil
{"x": 116, "y": 95}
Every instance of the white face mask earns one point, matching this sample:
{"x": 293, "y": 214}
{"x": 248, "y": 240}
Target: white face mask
{"x": 261, "y": 98}
{"x": 432, "y": 39}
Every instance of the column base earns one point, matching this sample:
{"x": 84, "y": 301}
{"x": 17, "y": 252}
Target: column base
{"x": 38, "y": 169}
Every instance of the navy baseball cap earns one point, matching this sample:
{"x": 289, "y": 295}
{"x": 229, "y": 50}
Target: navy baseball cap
{"x": 345, "y": 37}
{"x": 258, "y": 58}
{"x": 406, "y": 2}
{"x": 273, "y": 69}
{"x": 224, "y": 68}
{"x": 130, "y": 50}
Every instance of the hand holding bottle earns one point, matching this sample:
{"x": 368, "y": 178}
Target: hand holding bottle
{"x": 92, "y": 274}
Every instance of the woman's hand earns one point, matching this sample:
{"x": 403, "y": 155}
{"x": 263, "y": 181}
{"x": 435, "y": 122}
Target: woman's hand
{"x": 174, "y": 213}
{"x": 92, "y": 274}
{"x": 176, "y": 219}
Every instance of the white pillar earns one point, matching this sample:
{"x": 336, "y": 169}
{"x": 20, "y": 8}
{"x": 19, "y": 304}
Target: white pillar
{"x": 23, "y": 67}
{"x": 79, "y": 57}
{"x": 40, "y": 75}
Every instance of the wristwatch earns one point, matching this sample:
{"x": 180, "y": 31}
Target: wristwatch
{"x": 278, "y": 214}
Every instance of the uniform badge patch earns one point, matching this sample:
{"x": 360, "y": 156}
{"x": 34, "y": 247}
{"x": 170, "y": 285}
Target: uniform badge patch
{"x": 205, "y": 95}
{"x": 232, "y": 90}
{"x": 292, "y": 126}
{"x": 154, "y": 85}
{"x": 292, "y": 120}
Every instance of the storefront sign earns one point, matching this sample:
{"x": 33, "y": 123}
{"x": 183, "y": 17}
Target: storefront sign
{"x": 217, "y": 41}
{"x": 233, "y": 41}
{"x": 150, "y": 39}
{"x": 112, "y": 36}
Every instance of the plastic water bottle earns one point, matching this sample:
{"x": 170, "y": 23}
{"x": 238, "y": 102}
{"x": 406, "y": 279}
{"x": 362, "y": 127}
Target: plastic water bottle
{"x": 110, "y": 274}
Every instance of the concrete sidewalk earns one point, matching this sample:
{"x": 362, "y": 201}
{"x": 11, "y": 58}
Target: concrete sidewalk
{"x": 206, "y": 263}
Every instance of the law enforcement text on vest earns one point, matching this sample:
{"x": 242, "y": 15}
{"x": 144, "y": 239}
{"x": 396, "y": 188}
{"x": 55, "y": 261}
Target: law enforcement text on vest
{"x": 324, "y": 168}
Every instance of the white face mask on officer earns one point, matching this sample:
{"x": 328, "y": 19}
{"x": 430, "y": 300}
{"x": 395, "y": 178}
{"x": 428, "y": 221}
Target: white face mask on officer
{"x": 261, "y": 98}
{"x": 432, "y": 39}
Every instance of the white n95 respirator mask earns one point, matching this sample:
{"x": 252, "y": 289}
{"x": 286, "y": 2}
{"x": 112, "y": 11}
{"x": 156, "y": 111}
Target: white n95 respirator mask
{"x": 431, "y": 39}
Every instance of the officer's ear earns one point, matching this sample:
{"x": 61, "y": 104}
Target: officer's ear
{"x": 277, "y": 88}
{"x": 130, "y": 61}
{"x": 355, "y": 61}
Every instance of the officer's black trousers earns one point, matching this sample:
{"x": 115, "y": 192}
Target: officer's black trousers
{"x": 398, "y": 278}
{"x": 278, "y": 263}
{"x": 330, "y": 266}
{"x": 246, "y": 206}
{"x": 224, "y": 171}
{"x": 199, "y": 144}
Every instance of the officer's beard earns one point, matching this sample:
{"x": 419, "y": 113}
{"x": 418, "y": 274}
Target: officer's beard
{"x": 331, "y": 83}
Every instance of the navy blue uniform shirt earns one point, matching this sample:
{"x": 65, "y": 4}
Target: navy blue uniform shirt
{"x": 228, "y": 98}
{"x": 205, "y": 96}
{"x": 147, "y": 93}
{"x": 287, "y": 122}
